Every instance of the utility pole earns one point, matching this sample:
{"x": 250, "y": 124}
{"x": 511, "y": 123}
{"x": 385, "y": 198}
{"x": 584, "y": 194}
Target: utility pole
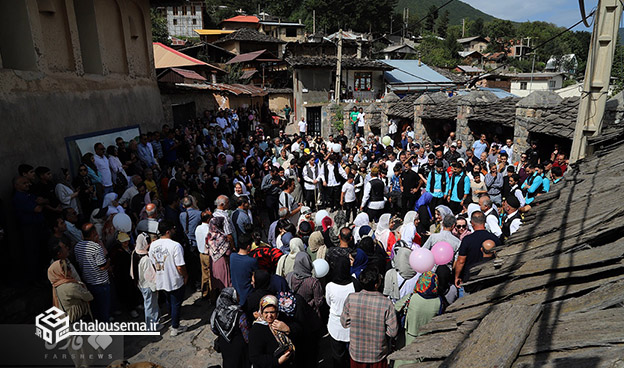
{"x": 532, "y": 66}
{"x": 313, "y": 21}
{"x": 597, "y": 76}
{"x": 338, "y": 68}
{"x": 391, "y": 25}
{"x": 463, "y": 27}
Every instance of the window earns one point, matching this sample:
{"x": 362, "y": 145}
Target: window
{"x": 523, "y": 86}
{"x": 175, "y": 22}
{"x": 193, "y": 10}
{"x": 552, "y": 84}
{"x": 184, "y": 10}
{"x": 175, "y": 10}
{"x": 194, "y": 21}
{"x": 291, "y": 32}
{"x": 363, "y": 81}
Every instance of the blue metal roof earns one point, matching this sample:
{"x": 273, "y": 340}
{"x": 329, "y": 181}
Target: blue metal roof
{"x": 500, "y": 93}
{"x": 413, "y": 72}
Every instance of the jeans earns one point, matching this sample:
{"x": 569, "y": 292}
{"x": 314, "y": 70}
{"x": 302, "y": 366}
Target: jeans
{"x": 108, "y": 190}
{"x": 101, "y": 301}
{"x": 174, "y": 301}
{"x": 150, "y": 302}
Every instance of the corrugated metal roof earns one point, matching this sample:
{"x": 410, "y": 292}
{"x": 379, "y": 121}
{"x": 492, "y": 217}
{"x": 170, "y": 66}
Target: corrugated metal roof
{"x": 248, "y": 74}
{"x": 412, "y": 72}
{"x": 242, "y": 19}
{"x": 189, "y": 74}
{"x": 236, "y": 89}
{"x": 470, "y": 69}
{"x": 260, "y": 55}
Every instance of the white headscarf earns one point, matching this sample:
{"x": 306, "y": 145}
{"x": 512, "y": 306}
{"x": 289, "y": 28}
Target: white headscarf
{"x": 383, "y": 229}
{"x": 360, "y": 220}
{"x": 108, "y": 203}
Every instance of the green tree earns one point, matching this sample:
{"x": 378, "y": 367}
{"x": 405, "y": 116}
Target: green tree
{"x": 442, "y": 24}
{"x": 440, "y": 53}
{"x": 476, "y": 28}
{"x": 432, "y": 15}
{"x": 617, "y": 70}
{"x": 160, "y": 33}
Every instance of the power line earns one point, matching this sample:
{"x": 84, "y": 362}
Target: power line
{"x": 426, "y": 16}
{"x": 476, "y": 79}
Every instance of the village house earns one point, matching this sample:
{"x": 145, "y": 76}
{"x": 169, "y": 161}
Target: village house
{"x": 476, "y": 43}
{"x": 522, "y": 84}
{"x": 246, "y": 40}
{"x": 314, "y": 82}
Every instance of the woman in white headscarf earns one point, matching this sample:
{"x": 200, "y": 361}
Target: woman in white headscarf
{"x": 383, "y": 233}
{"x": 111, "y": 204}
{"x": 360, "y": 220}
{"x": 440, "y": 212}
{"x": 286, "y": 263}
{"x": 401, "y": 279}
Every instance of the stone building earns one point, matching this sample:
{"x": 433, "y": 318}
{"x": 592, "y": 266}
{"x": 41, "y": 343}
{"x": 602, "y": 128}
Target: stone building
{"x": 183, "y": 19}
{"x": 71, "y": 68}
{"x": 314, "y": 83}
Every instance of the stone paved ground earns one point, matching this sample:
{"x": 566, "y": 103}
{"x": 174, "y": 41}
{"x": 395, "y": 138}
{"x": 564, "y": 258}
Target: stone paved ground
{"x": 192, "y": 349}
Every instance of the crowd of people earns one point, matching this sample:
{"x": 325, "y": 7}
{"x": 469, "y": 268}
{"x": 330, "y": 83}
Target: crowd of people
{"x": 289, "y": 237}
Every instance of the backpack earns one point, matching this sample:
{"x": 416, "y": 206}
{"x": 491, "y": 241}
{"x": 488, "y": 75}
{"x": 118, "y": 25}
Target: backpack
{"x": 150, "y": 271}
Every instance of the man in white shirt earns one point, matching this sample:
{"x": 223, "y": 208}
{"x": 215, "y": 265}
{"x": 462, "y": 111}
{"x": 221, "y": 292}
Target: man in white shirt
{"x": 513, "y": 221}
{"x": 103, "y": 166}
{"x": 310, "y": 181}
{"x": 303, "y": 127}
{"x": 201, "y": 232}
{"x": 361, "y": 121}
{"x": 491, "y": 216}
{"x": 373, "y": 200}
{"x": 347, "y": 198}
{"x": 168, "y": 259}
{"x": 332, "y": 176}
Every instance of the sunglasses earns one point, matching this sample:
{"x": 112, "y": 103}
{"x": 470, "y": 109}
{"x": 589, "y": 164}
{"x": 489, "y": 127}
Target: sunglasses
{"x": 460, "y": 226}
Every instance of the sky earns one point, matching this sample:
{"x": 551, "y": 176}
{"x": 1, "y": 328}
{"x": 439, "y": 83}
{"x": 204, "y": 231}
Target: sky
{"x": 563, "y": 13}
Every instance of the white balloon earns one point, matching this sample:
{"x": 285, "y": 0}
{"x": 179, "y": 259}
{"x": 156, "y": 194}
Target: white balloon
{"x": 320, "y": 215}
{"x": 321, "y": 268}
{"x": 122, "y": 222}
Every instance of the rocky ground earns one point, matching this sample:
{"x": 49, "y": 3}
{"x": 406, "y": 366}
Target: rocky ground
{"x": 192, "y": 349}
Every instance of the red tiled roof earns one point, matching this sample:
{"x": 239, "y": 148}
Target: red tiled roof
{"x": 189, "y": 74}
{"x": 242, "y": 19}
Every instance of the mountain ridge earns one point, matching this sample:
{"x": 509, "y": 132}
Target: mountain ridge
{"x": 457, "y": 10}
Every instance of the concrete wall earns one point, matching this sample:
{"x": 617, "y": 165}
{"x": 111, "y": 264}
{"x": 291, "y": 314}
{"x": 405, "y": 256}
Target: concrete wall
{"x": 203, "y": 101}
{"x": 76, "y": 67}
{"x": 278, "y": 101}
{"x": 537, "y": 85}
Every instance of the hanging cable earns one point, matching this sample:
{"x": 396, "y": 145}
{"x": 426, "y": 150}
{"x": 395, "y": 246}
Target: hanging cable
{"x": 583, "y": 16}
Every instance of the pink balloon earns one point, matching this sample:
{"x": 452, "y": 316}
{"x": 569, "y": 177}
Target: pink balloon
{"x": 421, "y": 260}
{"x": 442, "y": 253}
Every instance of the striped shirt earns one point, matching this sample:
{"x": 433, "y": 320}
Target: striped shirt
{"x": 372, "y": 318}
{"x": 90, "y": 257}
